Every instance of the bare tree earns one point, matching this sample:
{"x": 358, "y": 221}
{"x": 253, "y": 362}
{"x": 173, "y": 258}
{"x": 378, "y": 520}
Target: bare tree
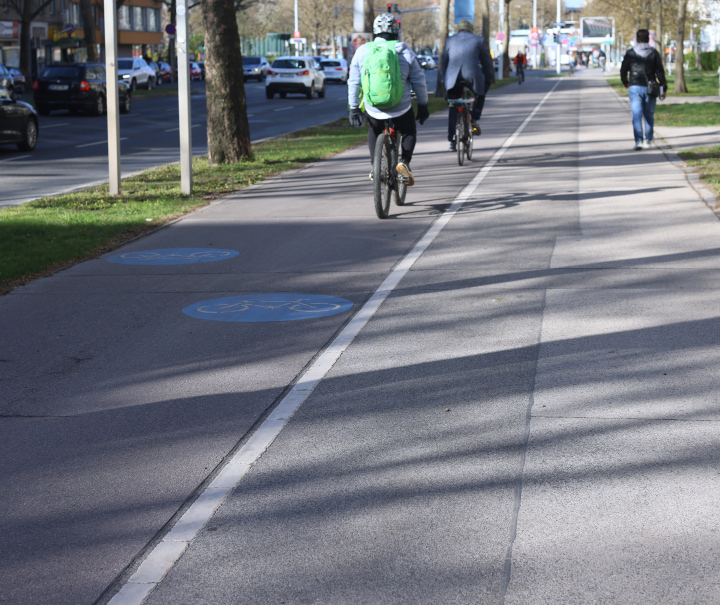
{"x": 680, "y": 86}
{"x": 228, "y": 131}
{"x": 444, "y": 31}
{"x": 90, "y": 32}
{"x": 506, "y": 41}
{"x": 368, "y": 15}
{"x": 27, "y": 10}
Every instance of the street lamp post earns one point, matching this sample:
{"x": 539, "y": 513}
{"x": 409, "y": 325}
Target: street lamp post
{"x": 558, "y": 46}
{"x": 501, "y": 10}
{"x": 537, "y": 41}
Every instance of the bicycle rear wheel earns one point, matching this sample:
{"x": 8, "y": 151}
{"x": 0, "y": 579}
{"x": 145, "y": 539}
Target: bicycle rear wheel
{"x": 382, "y": 176}
{"x": 469, "y": 144}
{"x": 400, "y": 190}
{"x": 460, "y": 139}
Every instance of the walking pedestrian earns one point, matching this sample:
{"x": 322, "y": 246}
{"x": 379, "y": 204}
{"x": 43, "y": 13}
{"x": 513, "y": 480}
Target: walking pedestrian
{"x": 643, "y": 75}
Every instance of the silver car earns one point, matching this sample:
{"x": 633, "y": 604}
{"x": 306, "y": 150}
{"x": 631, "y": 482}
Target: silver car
{"x": 255, "y": 67}
{"x": 295, "y": 75}
{"x": 136, "y": 72}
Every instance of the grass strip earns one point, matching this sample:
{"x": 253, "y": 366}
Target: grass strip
{"x": 706, "y": 161}
{"x": 699, "y": 84}
{"x": 51, "y": 233}
{"x": 688, "y": 114}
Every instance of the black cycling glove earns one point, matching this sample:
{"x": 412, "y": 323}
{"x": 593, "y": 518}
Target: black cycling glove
{"x": 356, "y": 117}
{"x": 423, "y": 113}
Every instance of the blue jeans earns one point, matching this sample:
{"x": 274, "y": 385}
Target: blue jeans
{"x": 642, "y": 106}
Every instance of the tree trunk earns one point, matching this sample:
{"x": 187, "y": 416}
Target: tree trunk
{"x": 26, "y": 19}
{"x": 228, "y": 132}
{"x": 506, "y": 41}
{"x": 89, "y": 29}
{"x": 171, "y": 41}
{"x": 680, "y": 86}
{"x": 444, "y": 15}
{"x": 659, "y": 33}
{"x": 482, "y": 20}
{"x": 368, "y": 15}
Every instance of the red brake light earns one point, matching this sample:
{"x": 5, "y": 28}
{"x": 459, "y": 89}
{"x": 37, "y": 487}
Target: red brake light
{"x": 271, "y": 72}
{"x": 338, "y": 69}
{"x": 304, "y": 73}
{"x": 36, "y": 85}
{"x": 84, "y": 86}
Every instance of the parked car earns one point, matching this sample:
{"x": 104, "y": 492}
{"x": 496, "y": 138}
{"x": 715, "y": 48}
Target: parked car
{"x": 6, "y": 79}
{"x": 155, "y": 66}
{"x": 18, "y": 121}
{"x": 136, "y": 72}
{"x": 294, "y": 75}
{"x": 201, "y": 65}
{"x": 18, "y": 80}
{"x": 165, "y": 73}
{"x": 255, "y": 67}
{"x": 426, "y": 62}
{"x": 77, "y": 87}
{"x": 335, "y": 69}
{"x": 193, "y": 71}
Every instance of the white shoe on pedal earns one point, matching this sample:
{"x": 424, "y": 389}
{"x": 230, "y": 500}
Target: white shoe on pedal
{"x": 404, "y": 171}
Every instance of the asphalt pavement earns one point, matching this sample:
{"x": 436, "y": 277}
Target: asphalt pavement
{"x": 510, "y": 397}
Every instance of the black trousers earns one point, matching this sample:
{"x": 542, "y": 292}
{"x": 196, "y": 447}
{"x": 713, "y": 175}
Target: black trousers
{"x": 455, "y": 93}
{"x": 404, "y": 124}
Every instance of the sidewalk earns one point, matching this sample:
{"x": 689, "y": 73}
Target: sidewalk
{"x": 531, "y": 416}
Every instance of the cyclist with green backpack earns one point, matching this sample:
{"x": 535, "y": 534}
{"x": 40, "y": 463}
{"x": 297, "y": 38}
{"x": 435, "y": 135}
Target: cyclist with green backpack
{"x": 380, "y": 73}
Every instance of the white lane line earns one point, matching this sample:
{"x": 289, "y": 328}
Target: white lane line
{"x": 97, "y": 143}
{"x": 17, "y": 157}
{"x": 178, "y": 128}
{"x": 167, "y": 552}
{"x": 285, "y": 108}
{"x": 45, "y": 127}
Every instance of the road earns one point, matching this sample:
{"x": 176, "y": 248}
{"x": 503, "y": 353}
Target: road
{"x": 72, "y": 149}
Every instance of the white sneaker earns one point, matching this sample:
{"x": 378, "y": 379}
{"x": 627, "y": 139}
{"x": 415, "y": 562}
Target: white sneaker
{"x": 638, "y": 146}
{"x": 646, "y": 145}
{"x": 404, "y": 171}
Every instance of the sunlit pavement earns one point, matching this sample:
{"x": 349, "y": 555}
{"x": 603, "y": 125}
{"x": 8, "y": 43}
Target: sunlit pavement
{"x": 530, "y": 416}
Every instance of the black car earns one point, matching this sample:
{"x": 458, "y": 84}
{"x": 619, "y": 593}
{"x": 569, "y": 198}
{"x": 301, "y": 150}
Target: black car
{"x": 201, "y": 65}
{"x": 18, "y": 121}
{"x": 77, "y": 87}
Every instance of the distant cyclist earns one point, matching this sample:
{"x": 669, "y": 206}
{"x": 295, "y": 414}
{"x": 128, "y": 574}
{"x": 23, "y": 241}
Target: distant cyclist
{"x": 386, "y": 28}
{"x": 520, "y": 63}
{"x": 465, "y": 63}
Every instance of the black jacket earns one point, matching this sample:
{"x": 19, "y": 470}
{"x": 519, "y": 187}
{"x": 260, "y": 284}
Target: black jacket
{"x": 641, "y": 65}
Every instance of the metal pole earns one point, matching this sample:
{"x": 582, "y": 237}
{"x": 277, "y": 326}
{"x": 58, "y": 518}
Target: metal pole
{"x": 184, "y": 99}
{"x": 501, "y": 10}
{"x": 297, "y": 29}
{"x": 558, "y": 47}
{"x": 358, "y": 15}
{"x": 113, "y": 102}
{"x": 537, "y": 42}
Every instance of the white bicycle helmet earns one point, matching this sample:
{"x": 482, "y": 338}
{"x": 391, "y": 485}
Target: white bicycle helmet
{"x": 386, "y": 23}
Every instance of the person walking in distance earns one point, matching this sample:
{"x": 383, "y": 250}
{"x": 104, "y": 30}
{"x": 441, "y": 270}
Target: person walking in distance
{"x": 465, "y": 63}
{"x": 392, "y": 99}
{"x": 643, "y": 75}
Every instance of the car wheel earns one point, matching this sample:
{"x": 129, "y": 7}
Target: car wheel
{"x": 42, "y": 109}
{"x": 30, "y": 136}
{"x": 133, "y": 85}
{"x": 321, "y": 92}
{"x": 269, "y": 94}
{"x": 283, "y": 95}
{"x": 311, "y": 91}
{"x": 125, "y": 106}
{"x": 150, "y": 84}
{"x": 99, "y": 108}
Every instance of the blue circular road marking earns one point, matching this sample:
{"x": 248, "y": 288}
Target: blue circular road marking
{"x": 268, "y": 307}
{"x": 172, "y": 256}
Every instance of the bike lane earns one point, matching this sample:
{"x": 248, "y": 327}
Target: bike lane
{"x": 117, "y": 407}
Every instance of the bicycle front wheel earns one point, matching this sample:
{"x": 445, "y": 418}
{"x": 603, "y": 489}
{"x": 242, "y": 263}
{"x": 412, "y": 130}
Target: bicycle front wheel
{"x": 460, "y": 139}
{"x": 400, "y": 190}
{"x": 382, "y": 176}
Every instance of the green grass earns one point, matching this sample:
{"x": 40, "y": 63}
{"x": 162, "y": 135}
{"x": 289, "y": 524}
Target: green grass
{"x": 48, "y": 234}
{"x": 699, "y": 84}
{"x": 688, "y": 114}
{"x": 706, "y": 160}
{"x": 167, "y": 89}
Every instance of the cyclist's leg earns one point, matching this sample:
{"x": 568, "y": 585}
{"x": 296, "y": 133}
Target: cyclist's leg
{"x": 405, "y": 125}
{"x": 375, "y": 128}
{"x": 454, "y": 93}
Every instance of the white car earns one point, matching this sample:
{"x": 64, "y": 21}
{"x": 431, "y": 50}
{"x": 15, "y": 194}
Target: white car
{"x": 294, "y": 75}
{"x": 136, "y": 72}
{"x": 335, "y": 69}
{"x": 255, "y": 67}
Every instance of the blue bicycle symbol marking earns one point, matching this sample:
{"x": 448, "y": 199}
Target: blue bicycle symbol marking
{"x": 172, "y": 256}
{"x": 268, "y": 307}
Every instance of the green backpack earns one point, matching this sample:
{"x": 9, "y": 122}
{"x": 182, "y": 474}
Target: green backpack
{"x": 381, "y": 78}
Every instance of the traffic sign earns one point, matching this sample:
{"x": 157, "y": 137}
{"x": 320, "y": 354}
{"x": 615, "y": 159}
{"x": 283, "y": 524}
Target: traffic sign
{"x": 296, "y": 35}
{"x": 501, "y": 36}
{"x": 534, "y": 33}
{"x": 170, "y": 29}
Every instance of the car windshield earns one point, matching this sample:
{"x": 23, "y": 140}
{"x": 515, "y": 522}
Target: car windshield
{"x": 332, "y": 63}
{"x": 125, "y": 63}
{"x": 62, "y": 71}
{"x": 288, "y": 64}
{"x": 251, "y": 60}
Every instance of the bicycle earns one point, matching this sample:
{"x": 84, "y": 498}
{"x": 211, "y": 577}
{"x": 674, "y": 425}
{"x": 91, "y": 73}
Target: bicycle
{"x": 387, "y": 183}
{"x": 571, "y": 68}
{"x": 463, "y": 128}
{"x": 520, "y": 72}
